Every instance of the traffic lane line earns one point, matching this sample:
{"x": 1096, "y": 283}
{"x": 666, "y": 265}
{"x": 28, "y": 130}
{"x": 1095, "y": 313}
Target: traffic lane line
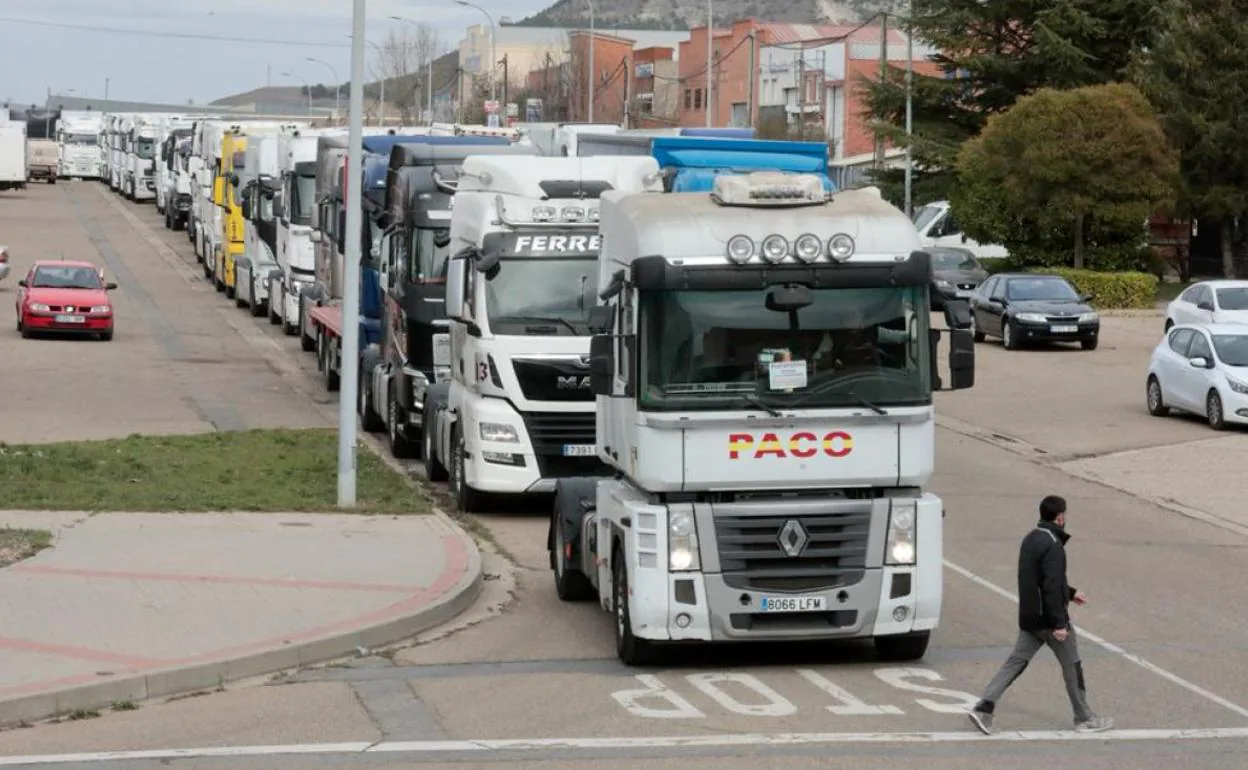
{"x": 456, "y": 558}
{"x": 551, "y": 748}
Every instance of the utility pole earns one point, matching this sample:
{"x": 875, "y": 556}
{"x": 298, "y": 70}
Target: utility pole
{"x": 710, "y": 23}
{"x": 593, "y": 79}
{"x": 801, "y": 94}
{"x": 349, "y": 399}
{"x": 429, "y": 88}
{"x": 502, "y": 119}
{"x": 749, "y": 99}
{"x": 879, "y": 142}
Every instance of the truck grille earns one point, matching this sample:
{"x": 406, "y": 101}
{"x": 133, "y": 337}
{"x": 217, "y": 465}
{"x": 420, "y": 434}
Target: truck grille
{"x": 830, "y": 548}
{"x": 549, "y": 431}
{"x": 553, "y": 379}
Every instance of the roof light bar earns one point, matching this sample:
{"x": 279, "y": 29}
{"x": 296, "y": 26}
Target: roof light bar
{"x": 768, "y": 188}
{"x": 775, "y": 248}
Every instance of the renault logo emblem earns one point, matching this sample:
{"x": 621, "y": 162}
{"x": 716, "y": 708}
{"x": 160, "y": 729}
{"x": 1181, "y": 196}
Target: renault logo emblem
{"x": 793, "y": 537}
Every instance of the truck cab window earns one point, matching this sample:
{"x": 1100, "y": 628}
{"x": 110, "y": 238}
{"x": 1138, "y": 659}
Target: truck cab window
{"x": 427, "y": 260}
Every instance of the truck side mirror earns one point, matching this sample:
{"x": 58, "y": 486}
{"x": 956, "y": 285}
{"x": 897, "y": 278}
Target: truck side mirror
{"x": 961, "y": 359}
{"x": 315, "y": 236}
{"x": 455, "y": 269}
{"x": 958, "y": 314}
{"x": 601, "y": 363}
{"x": 246, "y": 207}
{"x": 601, "y": 319}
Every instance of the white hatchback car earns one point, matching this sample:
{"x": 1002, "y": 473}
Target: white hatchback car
{"x": 1203, "y": 370}
{"x": 1210, "y": 302}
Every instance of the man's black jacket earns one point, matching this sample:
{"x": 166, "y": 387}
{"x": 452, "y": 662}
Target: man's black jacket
{"x": 1043, "y": 593}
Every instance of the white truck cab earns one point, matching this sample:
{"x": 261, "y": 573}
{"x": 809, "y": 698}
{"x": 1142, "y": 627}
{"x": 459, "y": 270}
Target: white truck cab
{"x": 295, "y": 213}
{"x": 520, "y": 282}
{"x": 764, "y": 367}
{"x": 938, "y": 228}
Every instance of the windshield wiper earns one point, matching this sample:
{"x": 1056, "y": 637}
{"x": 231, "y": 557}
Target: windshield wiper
{"x": 754, "y": 400}
{"x": 536, "y": 319}
{"x": 863, "y": 402}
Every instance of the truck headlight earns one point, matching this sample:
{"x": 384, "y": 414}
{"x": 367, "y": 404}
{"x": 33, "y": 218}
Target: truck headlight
{"x": 682, "y": 542}
{"x": 497, "y": 431}
{"x": 899, "y": 545}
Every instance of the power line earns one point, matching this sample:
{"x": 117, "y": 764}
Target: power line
{"x": 179, "y": 35}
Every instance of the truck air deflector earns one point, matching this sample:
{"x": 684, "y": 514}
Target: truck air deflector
{"x": 655, "y": 273}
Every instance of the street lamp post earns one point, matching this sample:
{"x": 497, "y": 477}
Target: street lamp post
{"x": 307, "y": 87}
{"x": 710, "y": 22}
{"x": 337, "y": 84}
{"x": 909, "y": 202}
{"x": 493, "y": 39}
{"x": 592, "y": 79}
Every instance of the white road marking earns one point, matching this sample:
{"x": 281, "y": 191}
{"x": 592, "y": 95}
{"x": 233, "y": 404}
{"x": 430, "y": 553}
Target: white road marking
{"x": 776, "y": 705}
{"x": 848, "y": 703}
{"x": 658, "y": 742}
{"x": 1191, "y": 687}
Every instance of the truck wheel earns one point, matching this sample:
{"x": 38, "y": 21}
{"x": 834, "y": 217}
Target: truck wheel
{"x": 400, "y": 447}
{"x": 571, "y": 585}
{"x": 630, "y": 650}
{"x": 325, "y": 365}
{"x": 370, "y": 421}
{"x": 274, "y": 318}
{"x": 258, "y": 306}
{"x": 434, "y": 469}
{"x": 307, "y": 343}
{"x": 469, "y": 499}
{"x": 902, "y": 647}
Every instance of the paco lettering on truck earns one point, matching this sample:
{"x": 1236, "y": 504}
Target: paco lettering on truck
{"x": 802, "y": 444}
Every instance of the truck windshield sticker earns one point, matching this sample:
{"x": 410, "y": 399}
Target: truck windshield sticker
{"x": 574, "y": 244}
{"x": 802, "y": 444}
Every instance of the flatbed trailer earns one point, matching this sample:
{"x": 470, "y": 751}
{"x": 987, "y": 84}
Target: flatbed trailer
{"x": 327, "y": 325}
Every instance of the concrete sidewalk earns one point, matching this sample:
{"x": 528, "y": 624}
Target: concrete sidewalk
{"x": 127, "y": 607}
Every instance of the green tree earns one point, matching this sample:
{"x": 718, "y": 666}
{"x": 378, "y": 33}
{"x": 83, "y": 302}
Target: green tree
{"x": 1081, "y": 169}
{"x": 1196, "y": 76}
{"x": 992, "y": 53}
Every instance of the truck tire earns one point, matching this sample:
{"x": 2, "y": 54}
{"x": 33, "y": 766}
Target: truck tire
{"x": 434, "y": 469}
{"x": 259, "y": 307}
{"x": 571, "y": 585}
{"x": 400, "y": 447}
{"x": 370, "y": 421}
{"x": 308, "y": 344}
{"x": 467, "y": 498}
{"x": 902, "y": 647}
{"x": 630, "y": 650}
{"x": 324, "y": 364}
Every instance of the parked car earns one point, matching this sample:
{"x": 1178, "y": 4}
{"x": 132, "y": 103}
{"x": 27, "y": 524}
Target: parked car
{"x": 4, "y": 262}
{"x": 1032, "y": 307}
{"x": 1210, "y": 302}
{"x": 1203, "y": 370}
{"x": 65, "y": 297}
{"x": 955, "y": 274}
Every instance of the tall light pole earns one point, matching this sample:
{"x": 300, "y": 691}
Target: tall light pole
{"x": 348, "y": 398}
{"x": 337, "y": 84}
{"x": 493, "y": 40}
{"x": 307, "y": 87}
{"x": 592, "y": 79}
{"x": 710, "y": 22}
{"x": 381, "y": 57}
{"x": 909, "y": 108}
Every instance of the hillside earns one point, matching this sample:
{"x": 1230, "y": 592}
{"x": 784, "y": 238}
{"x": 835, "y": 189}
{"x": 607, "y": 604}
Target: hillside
{"x": 682, "y": 14}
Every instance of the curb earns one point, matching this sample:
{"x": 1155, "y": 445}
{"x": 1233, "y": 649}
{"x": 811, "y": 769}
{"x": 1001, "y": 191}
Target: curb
{"x": 180, "y": 680}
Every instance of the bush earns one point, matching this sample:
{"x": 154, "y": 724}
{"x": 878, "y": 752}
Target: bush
{"x": 1110, "y": 290}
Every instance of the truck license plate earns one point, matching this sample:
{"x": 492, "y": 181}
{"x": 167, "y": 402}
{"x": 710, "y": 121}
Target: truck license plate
{"x": 1065, "y": 329}
{"x": 579, "y": 450}
{"x": 70, "y": 319}
{"x": 793, "y": 604}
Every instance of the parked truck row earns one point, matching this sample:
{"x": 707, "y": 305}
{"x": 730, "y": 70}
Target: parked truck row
{"x": 719, "y": 366}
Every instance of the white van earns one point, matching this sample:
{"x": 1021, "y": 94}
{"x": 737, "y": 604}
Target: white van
{"x": 937, "y": 227}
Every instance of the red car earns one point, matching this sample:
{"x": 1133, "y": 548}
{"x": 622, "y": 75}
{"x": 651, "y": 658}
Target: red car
{"x": 65, "y": 297}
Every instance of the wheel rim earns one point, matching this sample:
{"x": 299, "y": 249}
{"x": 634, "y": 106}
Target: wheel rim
{"x": 1154, "y": 395}
{"x": 1214, "y": 408}
{"x": 618, "y": 590}
{"x": 392, "y": 414}
{"x": 1007, "y": 335}
{"x": 559, "y": 547}
{"x": 457, "y": 468}
{"x": 428, "y": 444}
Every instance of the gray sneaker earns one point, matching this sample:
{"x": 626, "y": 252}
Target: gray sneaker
{"x": 1094, "y": 725}
{"x": 982, "y": 721}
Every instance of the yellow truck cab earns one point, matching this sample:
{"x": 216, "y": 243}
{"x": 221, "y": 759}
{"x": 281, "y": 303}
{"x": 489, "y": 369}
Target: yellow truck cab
{"x": 233, "y": 151}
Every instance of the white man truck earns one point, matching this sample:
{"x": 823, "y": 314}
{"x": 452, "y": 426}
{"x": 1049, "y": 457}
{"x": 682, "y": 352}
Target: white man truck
{"x": 171, "y": 130}
{"x": 517, "y": 412}
{"x": 764, "y": 369}
{"x": 140, "y": 161}
{"x": 295, "y": 209}
{"x": 258, "y": 186}
{"x": 79, "y": 136}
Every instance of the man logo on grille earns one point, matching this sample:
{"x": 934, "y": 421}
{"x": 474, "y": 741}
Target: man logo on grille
{"x": 793, "y": 537}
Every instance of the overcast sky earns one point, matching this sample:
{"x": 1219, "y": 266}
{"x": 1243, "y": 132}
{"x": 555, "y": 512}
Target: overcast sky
{"x": 158, "y": 67}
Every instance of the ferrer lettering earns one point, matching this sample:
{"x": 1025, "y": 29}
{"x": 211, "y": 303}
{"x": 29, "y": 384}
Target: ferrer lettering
{"x": 557, "y": 244}
{"x": 802, "y": 444}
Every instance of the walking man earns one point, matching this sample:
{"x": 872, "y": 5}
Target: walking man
{"x": 1044, "y": 597}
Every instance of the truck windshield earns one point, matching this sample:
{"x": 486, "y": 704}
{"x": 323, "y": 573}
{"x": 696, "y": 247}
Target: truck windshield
{"x": 925, "y": 215}
{"x": 534, "y": 296}
{"x": 725, "y": 349}
{"x": 427, "y": 260}
{"x": 302, "y": 199}
{"x": 145, "y": 149}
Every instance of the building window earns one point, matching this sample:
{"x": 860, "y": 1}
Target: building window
{"x": 688, "y": 99}
{"x": 697, "y": 98}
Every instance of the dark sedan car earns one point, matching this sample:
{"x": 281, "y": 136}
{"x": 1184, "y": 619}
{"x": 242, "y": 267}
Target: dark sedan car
{"x": 955, "y": 274}
{"x": 1028, "y": 307}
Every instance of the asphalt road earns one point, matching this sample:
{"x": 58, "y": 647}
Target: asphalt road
{"x": 526, "y": 680}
